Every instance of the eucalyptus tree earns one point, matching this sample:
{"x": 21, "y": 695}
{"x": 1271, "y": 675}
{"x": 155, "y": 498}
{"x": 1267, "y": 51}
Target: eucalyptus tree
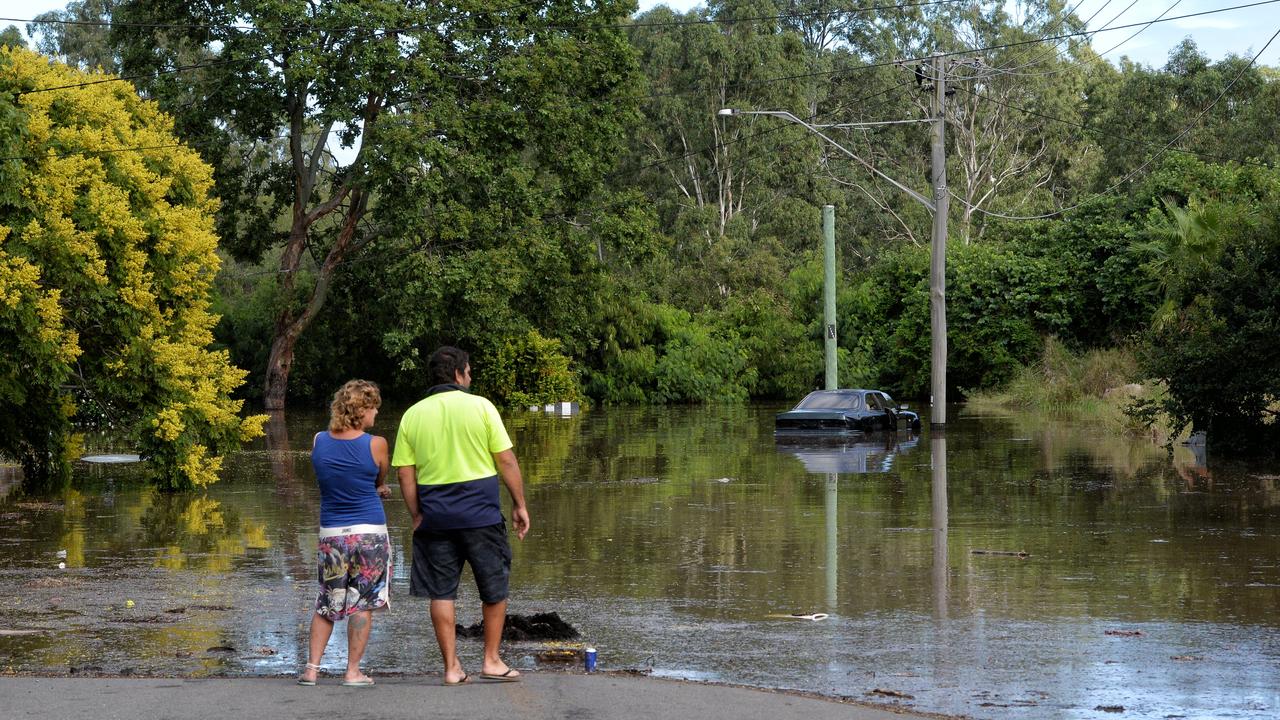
{"x": 1013, "y": 115}
{"x": 1014, "y": 144}
{"x": 79, "y": 34}
{"x": 438, "y": 110}
{"x": 12, "y": 37}
{"x": 1224, "y": 111}
{"x": 715, "y": 181}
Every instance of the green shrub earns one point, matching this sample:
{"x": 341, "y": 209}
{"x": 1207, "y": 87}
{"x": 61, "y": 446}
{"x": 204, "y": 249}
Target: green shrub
{"x": 654, "y": 353}
{"x": 1000, "y": 302}
{"x": 526, "y": 370}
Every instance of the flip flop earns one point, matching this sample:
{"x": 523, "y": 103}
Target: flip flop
{"x": 309, "y": 683}
{"x": 501, "y": 677}
{"x": 466, "y": 679}
{"x": 362, "y": 682}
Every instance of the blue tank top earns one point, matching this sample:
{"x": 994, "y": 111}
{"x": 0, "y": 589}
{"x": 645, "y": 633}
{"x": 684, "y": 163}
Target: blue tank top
{"x": 347, "y": 474}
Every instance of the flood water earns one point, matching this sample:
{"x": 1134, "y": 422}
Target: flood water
{"x": 1017, "y": 568}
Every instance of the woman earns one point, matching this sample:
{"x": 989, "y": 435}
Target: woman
{"x": 354, "y": 550}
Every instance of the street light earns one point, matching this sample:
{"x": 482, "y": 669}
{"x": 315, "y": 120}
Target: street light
{"x": 938, "y": 207}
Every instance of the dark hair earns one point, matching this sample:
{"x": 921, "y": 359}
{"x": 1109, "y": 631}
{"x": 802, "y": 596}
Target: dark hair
{"x": 444, "y": 362}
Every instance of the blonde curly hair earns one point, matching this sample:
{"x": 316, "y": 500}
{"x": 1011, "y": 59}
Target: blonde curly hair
{"x": 346, "y": 412}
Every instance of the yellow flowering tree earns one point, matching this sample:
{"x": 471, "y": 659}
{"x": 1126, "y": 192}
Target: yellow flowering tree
{"x": 107, "y": 255}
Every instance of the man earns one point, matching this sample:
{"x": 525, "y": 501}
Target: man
{"x": 450, "y": 451}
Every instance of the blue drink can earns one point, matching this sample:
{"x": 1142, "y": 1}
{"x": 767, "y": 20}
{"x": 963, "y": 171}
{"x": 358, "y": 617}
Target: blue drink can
{"x": 589, "y": 659}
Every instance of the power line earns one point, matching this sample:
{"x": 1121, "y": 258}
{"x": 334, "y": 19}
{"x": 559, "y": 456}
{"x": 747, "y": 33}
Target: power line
{"x": 628, "y": 172}
{"x": 207, "y": 26}
{"x": 857, "y": 68}
{"x": 1002, "y": 46}
{"x": 838, "y": 71}
{"x": 801, "y": 76}
{"x": 193, "y": 66}
{"x": 110, "y": 151}
{"x": 1122, "y": 138}
{"x": 814, "y": 15}
{"x": 1083, "y": 33}
{"x": 1190, "y": 126}
{"x": 1062, "y": 22}
{"x": 130, "y": 78}
{"x": 1109, "y": 50}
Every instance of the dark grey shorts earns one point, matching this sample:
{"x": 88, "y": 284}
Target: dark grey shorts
{"x": 438, "y": 556}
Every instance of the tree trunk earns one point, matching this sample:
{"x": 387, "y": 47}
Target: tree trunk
{"x": 278, "y": 365}
{"x": 288, "y": 328}
{"x": 283, "y": 340}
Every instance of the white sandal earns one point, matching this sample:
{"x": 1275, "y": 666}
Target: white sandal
{"x": 309, "y": 666}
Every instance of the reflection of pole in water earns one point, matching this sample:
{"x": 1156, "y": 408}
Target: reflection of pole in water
{"x": 941, "y": 575}
{"x": 833, "y": 539}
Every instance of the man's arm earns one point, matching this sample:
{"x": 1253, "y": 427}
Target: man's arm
{"x": 408, "y": 477}
{"x": 509, "y": 469}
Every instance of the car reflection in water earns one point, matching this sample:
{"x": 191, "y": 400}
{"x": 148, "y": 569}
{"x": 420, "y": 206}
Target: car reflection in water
{"x": 847, "y": 454}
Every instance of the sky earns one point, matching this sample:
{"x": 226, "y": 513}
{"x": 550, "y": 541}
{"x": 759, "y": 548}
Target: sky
{"x": 1242, "y": 32}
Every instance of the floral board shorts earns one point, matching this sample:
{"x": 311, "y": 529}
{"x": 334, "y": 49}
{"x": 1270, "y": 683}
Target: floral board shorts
{"x": 354, "y": 570}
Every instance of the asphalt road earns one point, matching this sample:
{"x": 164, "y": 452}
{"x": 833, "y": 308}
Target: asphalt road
{"x": 550, "y": 695}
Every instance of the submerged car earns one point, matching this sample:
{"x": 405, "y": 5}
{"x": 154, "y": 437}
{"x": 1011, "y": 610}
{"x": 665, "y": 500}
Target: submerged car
{"x": 844, "y": 412}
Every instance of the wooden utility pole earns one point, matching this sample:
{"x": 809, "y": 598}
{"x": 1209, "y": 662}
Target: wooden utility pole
{"x": 938, "y": 258}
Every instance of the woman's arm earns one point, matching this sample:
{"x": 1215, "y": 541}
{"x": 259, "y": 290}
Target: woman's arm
{"x": 378, "y": 448}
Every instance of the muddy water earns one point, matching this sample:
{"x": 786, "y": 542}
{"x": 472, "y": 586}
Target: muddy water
{"x": 1014, "y": 569}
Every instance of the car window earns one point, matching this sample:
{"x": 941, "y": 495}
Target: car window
{"x": 888, "y": 401}
{"x": 829, "y": 401}
{"x": 873, "y": 401}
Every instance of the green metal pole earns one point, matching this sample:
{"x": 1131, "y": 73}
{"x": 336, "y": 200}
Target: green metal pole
{"x": 833, "y": 542}
{"x": 829, "y": 294}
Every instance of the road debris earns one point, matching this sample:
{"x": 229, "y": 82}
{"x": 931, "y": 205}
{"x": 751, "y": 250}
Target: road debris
{"x": 892, "y": 693}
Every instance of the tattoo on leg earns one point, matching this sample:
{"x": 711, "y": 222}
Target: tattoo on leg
{"x": 358, "y": 621}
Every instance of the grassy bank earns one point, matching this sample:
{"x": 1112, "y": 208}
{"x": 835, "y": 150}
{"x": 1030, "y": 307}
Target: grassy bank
{"x": 1097, "y": 385}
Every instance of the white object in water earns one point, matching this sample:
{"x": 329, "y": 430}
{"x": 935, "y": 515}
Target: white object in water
{"x": 801, "y": 616}
{"x": 561, "y": 408}
{"x": 112, "y": 458}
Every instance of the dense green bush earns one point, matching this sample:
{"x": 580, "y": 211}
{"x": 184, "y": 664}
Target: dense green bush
{"x": 1106, "y": 297}
{"x": 1000, "y": 303}
{"x": 526, "y": 370}
{"x": 653, "y": 353}
{"x": 1215, "y": 343}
